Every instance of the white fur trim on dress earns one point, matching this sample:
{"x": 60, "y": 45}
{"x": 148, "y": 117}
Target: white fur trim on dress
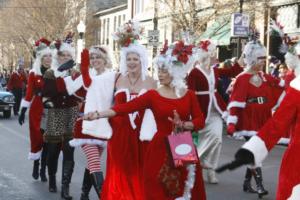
{"x": 295, "y": 193}
{"x": 258, "y": 147}
{"x": 281, "y": 83}
{"x": 73, "y": 85}
{"x": 284, "y": 141}
{"x": 242, "y": 133}
{"x": 296, "y": 83}
{"x": 79, "y": 142}
{"x": 148, "y": 127}
{"x": 189, "y": 183}
{"x": 99, "y": 97}
{"x": 238, "y": 104}
{"x": 279, "y": 101}
{"x": 25, "y": 104}
{"x": 34, "y": 156}
{"x": 232, "y": 119}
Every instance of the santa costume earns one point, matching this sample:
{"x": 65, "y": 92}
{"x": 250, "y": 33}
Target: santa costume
{"x": 33, "y": 101}
{"x": 61, "y": 116}
{"x": 203, "y": 79}
{"x": 253, "y": 96}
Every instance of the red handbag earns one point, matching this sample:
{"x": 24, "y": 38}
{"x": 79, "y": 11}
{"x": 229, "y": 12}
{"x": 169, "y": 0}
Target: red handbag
{"x": 182, "y": 148}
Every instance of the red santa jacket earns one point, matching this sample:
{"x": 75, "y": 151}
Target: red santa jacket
{"x": 16, "y": 81}
{"x": 34, "y": 88}
{"x": 205, "y": 87}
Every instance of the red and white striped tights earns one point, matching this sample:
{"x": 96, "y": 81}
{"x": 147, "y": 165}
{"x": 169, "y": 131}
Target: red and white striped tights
{"x": 93, "y": 154}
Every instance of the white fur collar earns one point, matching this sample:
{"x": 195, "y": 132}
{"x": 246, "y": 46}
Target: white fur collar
{"x": 296, "y": 83}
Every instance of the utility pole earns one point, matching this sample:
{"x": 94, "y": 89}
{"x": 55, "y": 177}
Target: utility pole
{"x": 239, "y": 44}
{"x": 155, "y": 21}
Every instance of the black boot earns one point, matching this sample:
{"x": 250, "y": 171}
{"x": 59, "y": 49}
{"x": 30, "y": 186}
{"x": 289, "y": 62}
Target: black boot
{"x": 52, "y": 183}
{"x": 247, "y": 187}
{"x": 43, "y": 164}
{"x": 86, "y": 185}
{"x": 97, "y": 181}
{"x": 67, "y": 172}
{"x": 35, "y": 170}
{"x": 259, "y": 183}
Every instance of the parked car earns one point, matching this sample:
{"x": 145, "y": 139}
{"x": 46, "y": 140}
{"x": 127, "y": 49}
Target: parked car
{"x": 7, "y": 101}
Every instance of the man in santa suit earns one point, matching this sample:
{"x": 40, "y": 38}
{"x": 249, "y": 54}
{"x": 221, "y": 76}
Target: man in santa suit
{"x": 203, "y": 79}
{"x": 286, "y": 116}
{"x": 16, "y": 85}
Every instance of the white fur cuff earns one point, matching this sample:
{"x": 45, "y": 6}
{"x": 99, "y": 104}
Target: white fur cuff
{"x": 34, "y": 156}
{"x": 257, "y": 146}
{"x": 73, "y": 85}
{"x": 237, "y": 104}
{"x": 25, "y": 104}
{"x": 232, "y": 119}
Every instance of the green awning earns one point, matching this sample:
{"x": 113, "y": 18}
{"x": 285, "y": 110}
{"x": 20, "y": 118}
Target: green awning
{"x": 219, "y": 32}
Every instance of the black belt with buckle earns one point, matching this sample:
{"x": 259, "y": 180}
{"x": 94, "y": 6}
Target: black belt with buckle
{"x": 259, "y": 100}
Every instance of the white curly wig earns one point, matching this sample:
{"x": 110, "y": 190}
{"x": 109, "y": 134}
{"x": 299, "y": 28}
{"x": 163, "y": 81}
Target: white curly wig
{"x": 252, "y": 52}
{"x": 139, "y": 50}
{"x": 204, "y": 55}
{"x": 36, "y": 67}
{"x": 177, "y": 70}
{"x": 292, "y": 59}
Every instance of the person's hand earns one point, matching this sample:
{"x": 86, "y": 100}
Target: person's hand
{"x": 230, "y": 129}
{"x": 67, "y": 65}
{"x": 21, "y": 118}
{"x": 90, "y": 116}
{"x": 242, "y": 157}
{"x": 176, "y": 121}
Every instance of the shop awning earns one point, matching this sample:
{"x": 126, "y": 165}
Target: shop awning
{"x": 219, "y": 32}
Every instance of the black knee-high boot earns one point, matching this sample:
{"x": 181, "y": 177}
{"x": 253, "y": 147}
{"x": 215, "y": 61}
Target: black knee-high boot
{"x": 86, "y": 185}
{"x": 259, "y": 183}
{"x": 68, "y": 167}
{"x": 97, "y": 181}
{"x": 35, "y": 170}
{"x": 44, "y": 163}
{"x": 247, "y": 187}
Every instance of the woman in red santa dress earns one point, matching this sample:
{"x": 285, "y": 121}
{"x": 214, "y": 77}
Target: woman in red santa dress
{"x": 286, "y": 116}
{"x": 33, "y": 101}
{"x": 203, "y": 79}
{"x": 97, "y": 57}
{"x": 124, "y": 154}
{"x": 171, "y": 99}
{"x": 253, "y": 96}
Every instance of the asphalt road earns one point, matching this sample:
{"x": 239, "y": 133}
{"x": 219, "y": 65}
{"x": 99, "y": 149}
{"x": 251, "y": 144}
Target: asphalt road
{"x": 16, "y": 181}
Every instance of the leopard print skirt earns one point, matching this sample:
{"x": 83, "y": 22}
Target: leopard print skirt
{"x": 60, "y": 124}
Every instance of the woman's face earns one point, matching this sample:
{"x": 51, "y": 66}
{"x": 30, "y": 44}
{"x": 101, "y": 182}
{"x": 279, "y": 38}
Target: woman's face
{"x": 164, "y": 77}
{"x": 63, "y": 56}
{"x": 97, "y": 62}
{"x": 46, "y": 60}
{"x": 133, "y": 63}
{"x": 261, "y": 63}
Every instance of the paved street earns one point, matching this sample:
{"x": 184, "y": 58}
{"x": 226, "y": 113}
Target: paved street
{"x": 16, "y": 181}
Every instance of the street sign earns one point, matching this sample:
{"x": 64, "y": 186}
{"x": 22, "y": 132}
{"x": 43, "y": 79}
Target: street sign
{"x": 240, "y": 24}
{"x": 153, "y": 38}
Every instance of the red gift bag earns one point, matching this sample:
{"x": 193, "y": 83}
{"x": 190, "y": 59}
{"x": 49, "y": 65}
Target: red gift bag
{"x": 182, "y": 148}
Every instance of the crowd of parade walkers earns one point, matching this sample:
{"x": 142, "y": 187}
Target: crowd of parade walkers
{"x": 130, "y": 114}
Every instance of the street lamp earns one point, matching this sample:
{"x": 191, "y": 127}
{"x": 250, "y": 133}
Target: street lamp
{"x": 81, "y": 29}
{"x": 80, "y": 44}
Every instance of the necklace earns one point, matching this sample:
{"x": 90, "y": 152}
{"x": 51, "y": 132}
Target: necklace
{"x": 133, "y": 83}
